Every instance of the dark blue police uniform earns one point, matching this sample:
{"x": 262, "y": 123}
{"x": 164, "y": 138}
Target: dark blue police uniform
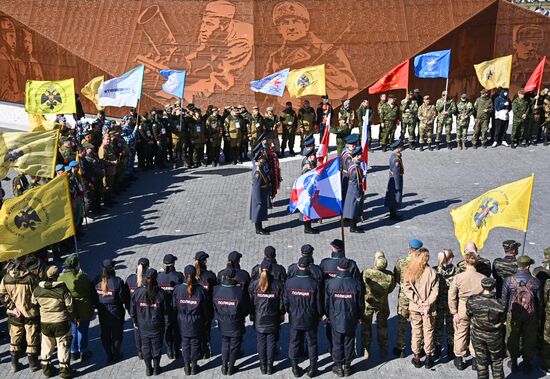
{"x": 394, "y": 192}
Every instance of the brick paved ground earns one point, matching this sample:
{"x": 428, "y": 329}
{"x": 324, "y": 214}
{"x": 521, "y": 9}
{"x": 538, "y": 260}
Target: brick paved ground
{"x": 183, "y": 211}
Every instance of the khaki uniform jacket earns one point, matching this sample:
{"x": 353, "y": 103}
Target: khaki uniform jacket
{"x": 55, "y": 302}
{"x": 107, "y": 155}
{"x": 16, "y": 292}
{"x": 464, "y": 285}
{"x": 423, "y": 290}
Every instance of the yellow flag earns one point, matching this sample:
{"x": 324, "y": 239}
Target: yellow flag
{"x": 33, "y": 153}
{"x": 38, "y": 218}
{"x": 38, "y": 123}
{"x": 495, "y": 73}
{"x": 50, "y": 97}
{"x": 507, "y": 206}
{"x": 307, "y": 81}
{"x": 90, "y": 90}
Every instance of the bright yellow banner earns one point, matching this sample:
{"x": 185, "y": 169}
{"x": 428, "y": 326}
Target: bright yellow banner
{"x": 45, "y": 97}
{"x": 495, "y": 73}
{"x": 33, "y": 153}
{"x": 38, "y": 123}
{"x": 90, "y": 91}
{"x": 38, "y": 218}
{"x": 307, "y": 81}
{"x": 507, "y": 206}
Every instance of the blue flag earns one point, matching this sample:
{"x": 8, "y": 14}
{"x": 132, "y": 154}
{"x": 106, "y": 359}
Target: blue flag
{"x": 273, "y": 84}
{"x": 434, "y": 64}
{"x": 175, "y": 82}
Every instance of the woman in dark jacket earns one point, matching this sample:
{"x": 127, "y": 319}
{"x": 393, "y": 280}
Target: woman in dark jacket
{"x": 148, "y": 308}
{"x": 267, "y": 313}
{"x": 109, "y": 298}
{"x": 231, "y": 306}
{"x": 133, "y": 282}
{"x": 190, "y": 302}
{"x": 207, "y": 279}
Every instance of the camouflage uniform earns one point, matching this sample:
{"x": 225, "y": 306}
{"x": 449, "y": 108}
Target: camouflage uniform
{"x": 379, "y": 283}
{"x": 487, "y": 317}
{"x": 519, "y": 125}
{"x": 256, "y": 128}
{"x": 503, "y": 268}
{"x": 426, "y": 116}
{"x": 402, "y": 303}
{"x": 483, "y": 266}
{"x": 306, "y": 123}
{"x": 214, "y": 130}
{"x": 546, "y": 124}
{"x": 198, "y": 139}
{"x": 233, "y": 131}
{"x": 465, "y": 110}
{"x": 542, "y": 273}
{"x": 409, "y": 114}
{"x": 289, "y": 120}
{"x": 483, "y": 107}
{"x": 444, "y": 318}
{"x": 445, "y": 119}
{"x": 346, "y": 117}
{"x": 271, "y": 123}
{"x": 388, "y": 116}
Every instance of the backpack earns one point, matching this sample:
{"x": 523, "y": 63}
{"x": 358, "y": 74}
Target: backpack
{"x": 522, "y": 306}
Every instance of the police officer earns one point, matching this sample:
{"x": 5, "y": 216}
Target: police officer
{"x": 394, "y": 192}
{"x": 345, "y": 308}
{"x": 207, "y": 279}
{"x": 191, "y": 302}
{"x": 277, "y": 271}
{"x": 303, "y": 301}
{"x": 133, "y": 282}
{"x": 267, "y": 313}
{"x": 315, "y": 271}
{"x": 110, "y": 296}
{"x": 241, "y": 276}
{"x": 330, "y": 265}
{"x": 167, "y": 280}
{"x": 487, "y": 317}
{"x": 148, "y": 309}
{"x": 289, "y": 121}
{"x": 507, "y": 265}
{"x": 353, "y": 204}
{"x": 346, "y": 160}
{"x": 259, "y": 194}
{"x": 231, "y": 306}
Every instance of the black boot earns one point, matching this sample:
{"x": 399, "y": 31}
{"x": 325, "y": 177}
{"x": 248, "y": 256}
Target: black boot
{"x": 308, "y": 229}
{"x": 430, "y": 147}
{"x": 348, "y": 370}
{"x": 338, "y": 370}
{"x": 263, "y": 367}
{"x": 354, "y": 228}
{"x": 384, "y": 148}
{"x": 14, "y": 362}
{"x": 65, "y": 372}
{"x": 416, "y": 361}
{"x": 187, "y": 368}
{"x": 156, "y": 366}
{"x": 170, "y": 353}
{"x": 474, "y": 364}
{"x": 224, "y": 368}
{"x": 195, "y": 368}
{"x": 312, "y": 370}
{"x": 260, "y": 230}
{"x": 205, "y": 348}
{"x": 231, "y": 368}
{"x": 459, "y": 363}
{"x": 148, "y": 367}
{"x": 412, "y": 145}
{"x": 429, "y": 361}
{"x": 296, "y": 370}
{"x": 269, "y": 368}
{"x": 421, "y": 147}
{"x": 47, "y": 370}
{"x": 437, "y": 145}
{"x": 34, "y": 365}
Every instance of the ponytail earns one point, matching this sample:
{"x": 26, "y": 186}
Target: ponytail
{"x": 139, "y": 274}
{"x": 190, "y": 285}
{"x": 198, "y": 269}
{"x": 104, "y": 287}
{"x": 150, "y": 291}
{"x": 264, "y": 281}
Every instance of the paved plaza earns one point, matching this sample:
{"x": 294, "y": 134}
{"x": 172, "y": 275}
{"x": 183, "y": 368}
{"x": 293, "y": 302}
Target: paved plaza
{"x": 183, "y": 211}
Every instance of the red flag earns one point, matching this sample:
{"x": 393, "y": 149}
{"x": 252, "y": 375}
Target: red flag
{"x": 535, "y": 81}
{"x": 397, "y": 78}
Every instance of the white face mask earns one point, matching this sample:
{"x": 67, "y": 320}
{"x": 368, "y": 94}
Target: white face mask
{"x": 505, "y": 94}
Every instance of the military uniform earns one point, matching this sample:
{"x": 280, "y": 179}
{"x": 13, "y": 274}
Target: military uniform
{"x": 271, "y": 123}
{"x": 487, "y": 317}
{"x": 108, "y": 157}
{"x": 147, "y": 139}
{"x": 198, "y": 139}
{"x": 444, "y": 118}
{"x": 426, "y": 117}
{"x": 256, "y": 128}
{"x": 353, "y": 203}
{"x": 409, "y": 114}
{"x": 546, "y": 124}
{"x": 388, "y": 117}
{"x": 306, "y": 122}
{"x": 379, "y": 283}
{"x": 503, "y": 268}
{"x": 443, "y": 317}
{"x": 394, "y": 191}
{"x": 259, "y": 196}
{"x": 520, "y": 109}
{"x": 465, "y": 110}
{"x": 346, "y": 118}
{"x": 483, "y": 107}
{"x": 402, "y": 303}
{"x": 289, "y": 120}
{"x": 214, "y": 130}
{"x": 233, "y": 131}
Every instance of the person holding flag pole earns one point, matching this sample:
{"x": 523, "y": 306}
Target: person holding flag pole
{"x": 175, "y": 84}
{"x": 534, "y": 84}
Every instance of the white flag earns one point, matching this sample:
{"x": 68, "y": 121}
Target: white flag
{"x": 123, "y": 91}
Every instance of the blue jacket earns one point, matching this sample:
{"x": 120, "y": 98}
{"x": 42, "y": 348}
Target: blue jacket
{"x": 303, "y": 301}
{"x": 344, "y": 302}
{"x": 266, "y": 308}
{"x": 328, "y": 265}
{"x": 500, "y": 100}
{"x": 192, "y": 311}
{"x": 277, "y": 271}
{"x": 112, "y": 302}
{"x": 231, "y": 306}
{"x": 241, "y": 276}
{"x": 315, "y": 271}
{"x": 508, "y": 290}
{"x": 149, "y": 318}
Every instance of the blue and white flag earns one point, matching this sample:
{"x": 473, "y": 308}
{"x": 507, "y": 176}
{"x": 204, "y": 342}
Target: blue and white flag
{"x": 434, "y": 64}
{"x": 175, "y": 82}
{"x": 273, "y": 84}
{"x": 122, "y": 91}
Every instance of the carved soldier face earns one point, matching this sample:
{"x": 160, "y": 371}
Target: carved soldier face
{"x": 293, "y": 28}
{"x": 211, "y": 27}
{"x": 27, "y": 42}
{"x": 7, "y": 33}
{"x": 527, "y": 41}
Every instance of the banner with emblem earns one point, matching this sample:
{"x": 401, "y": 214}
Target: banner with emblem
{"x": 122, "y": 91}
{"x": 38, "y": 218}
{"x": 273, "y": 84}
{"x": 495, "y": 73}
{"x": 46, "y": 97}
{"x": 433, "y": 64}
{"x": 506, "y": 206}
{"x": 38, "y": 123}
{"x": 90, "y": 90}
{"x": 33, "y": 153}
{"x": 397, "y": 78}
{"x": 307, "y": 81}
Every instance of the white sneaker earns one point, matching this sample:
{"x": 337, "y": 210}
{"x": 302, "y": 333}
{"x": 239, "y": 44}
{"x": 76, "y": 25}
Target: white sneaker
{"x": 504, "y": 143}
{"x": 494, "y": 144}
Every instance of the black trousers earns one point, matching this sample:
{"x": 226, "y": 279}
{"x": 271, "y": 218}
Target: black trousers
{"x": 266, "y": 344}
{"x": 151, "y": 346}
{"x": 190, "y": 349}
{"x": 112, "y": 331}
{"x": 296, "y": 339}
{"x": 230, "y": 348}
{"x": 500, "y": 130}
{"x": 137, "y": 341}
{"x": 342, "y": 347}
{"x": 171, "y": 334}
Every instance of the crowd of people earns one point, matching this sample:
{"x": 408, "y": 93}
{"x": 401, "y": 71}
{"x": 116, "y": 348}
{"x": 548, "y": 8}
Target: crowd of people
{"x": 470, "y": 308}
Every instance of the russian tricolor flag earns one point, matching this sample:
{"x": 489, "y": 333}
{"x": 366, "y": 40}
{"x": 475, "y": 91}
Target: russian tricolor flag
{"x": 318, "y": 193}
{"x": 365, "y": 147}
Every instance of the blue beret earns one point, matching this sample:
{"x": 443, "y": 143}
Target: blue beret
{"x": 396, "y": 144}
{"x": 73, "y": 164}
{"x": 415, "y": 244}
{"x": 352, "y": 139}
{"x": 229, "y": 273}
{"x": 305, "y": 261}
{"x": 67, "y": 168}
{"x": 265, "y": 265}
{"x": 59, "y": 167}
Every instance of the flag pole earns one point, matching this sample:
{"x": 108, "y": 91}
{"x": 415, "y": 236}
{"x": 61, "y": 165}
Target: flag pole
{"x": 528, "y": 214}
{"x": 76, "y": 246}
{"x": 342, "y": 212}
{"x": 445, "y": 98}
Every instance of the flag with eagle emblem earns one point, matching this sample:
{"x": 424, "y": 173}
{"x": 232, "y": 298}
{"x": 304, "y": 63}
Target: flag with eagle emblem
{"x": 47, "y": 97}
{"x": 307, "y": 81}
{"x": 495, "y": 73}
{"x": 433, "y": 64}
